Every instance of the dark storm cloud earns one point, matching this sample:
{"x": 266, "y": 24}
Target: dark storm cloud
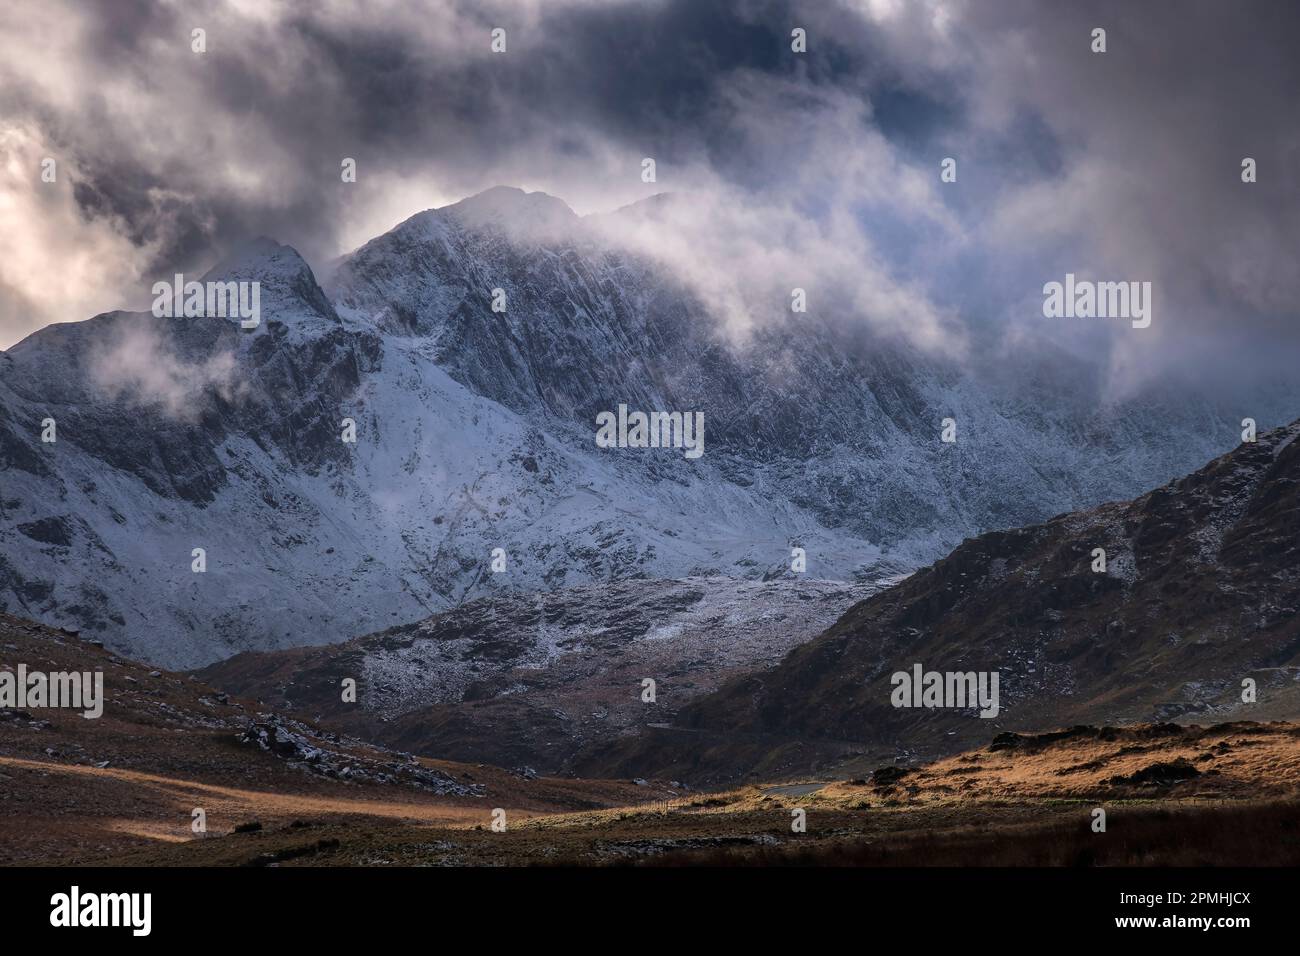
{"x": 183, "y": 154}
{"x": 403, "y": 93}
{"x": 643, "y": 76}
{"x": 1152, "y": 135}
{"x": 1124, "y": 164}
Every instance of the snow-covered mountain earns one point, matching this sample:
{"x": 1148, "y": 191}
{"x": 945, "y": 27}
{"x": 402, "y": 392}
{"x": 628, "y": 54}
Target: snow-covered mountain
{"x": 475, "y": 431}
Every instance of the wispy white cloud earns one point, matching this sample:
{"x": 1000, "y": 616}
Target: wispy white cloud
{"x": 140, "y": 366}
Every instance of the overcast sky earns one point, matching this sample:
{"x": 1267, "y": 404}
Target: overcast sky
{"x": 819, "y": 169}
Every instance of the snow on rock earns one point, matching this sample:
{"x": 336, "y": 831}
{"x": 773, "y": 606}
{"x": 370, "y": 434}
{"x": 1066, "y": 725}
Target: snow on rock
{"x": 475, "y": 431}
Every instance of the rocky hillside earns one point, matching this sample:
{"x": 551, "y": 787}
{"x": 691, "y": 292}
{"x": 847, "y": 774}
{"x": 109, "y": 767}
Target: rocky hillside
{"x": 1199, "y": 594}
{"x": 75, "y": 790}
{"x": 538, "y": 680}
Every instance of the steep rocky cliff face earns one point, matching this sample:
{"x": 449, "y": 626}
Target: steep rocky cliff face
{"x": 475, "y": 431}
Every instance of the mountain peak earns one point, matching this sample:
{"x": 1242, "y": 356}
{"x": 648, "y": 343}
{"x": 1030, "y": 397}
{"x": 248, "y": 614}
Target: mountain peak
{"x": 259, "y": 258}
{"x": 287, "y": 285}
{"x": 513, "y": 208}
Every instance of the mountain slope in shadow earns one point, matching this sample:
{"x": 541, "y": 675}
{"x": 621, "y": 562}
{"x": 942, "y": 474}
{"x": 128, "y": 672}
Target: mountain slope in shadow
{"x": 1197, "y": 604}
